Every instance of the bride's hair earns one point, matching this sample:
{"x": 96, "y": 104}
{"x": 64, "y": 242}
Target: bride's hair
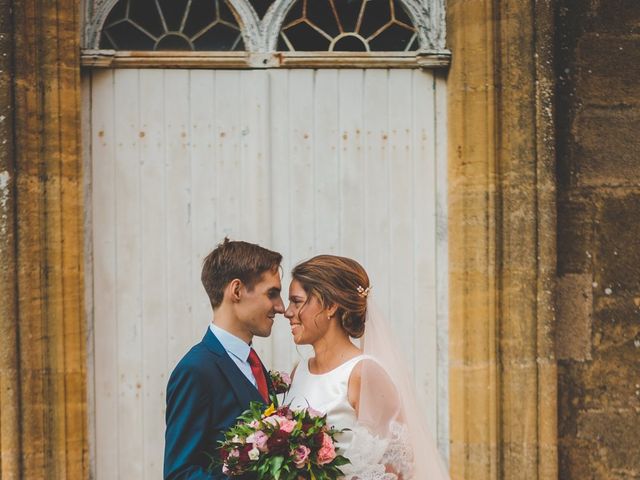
{"x": 338, "y": 281}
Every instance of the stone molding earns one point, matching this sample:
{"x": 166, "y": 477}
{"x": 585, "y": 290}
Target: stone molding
{"x": 503, "y": 376}
{"x": 42, "y": 342}
{"x": 261, "y": 35}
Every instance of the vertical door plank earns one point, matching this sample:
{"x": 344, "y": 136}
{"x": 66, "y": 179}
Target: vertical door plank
{"x": 283, "y": 354}
{"x": 153, "y": 263}
{"x": 425, "y": 235}
{"x": 255, "y": 225}
{"x": 376, "y": 176}
{"x": 178, "y": 224}
{"x": 228, "y": 163}
{"x": 204, "y": 192}
{"x": 105, "y": 347}
{"x": 301, "y": 142}
{"x": 402, "y": 212}
{"x": 325, "y": 155}
{"x": 352, "y": 163}
{"x": 128, "y": 280}
{"x": 255, "y": 203}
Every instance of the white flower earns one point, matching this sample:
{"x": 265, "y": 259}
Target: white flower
{"x": 237, "y": 439}
{"x": 254, "y": 454}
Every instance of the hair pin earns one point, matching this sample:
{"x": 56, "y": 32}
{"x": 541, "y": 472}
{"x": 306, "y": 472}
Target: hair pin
{"x": 364, "y": 292}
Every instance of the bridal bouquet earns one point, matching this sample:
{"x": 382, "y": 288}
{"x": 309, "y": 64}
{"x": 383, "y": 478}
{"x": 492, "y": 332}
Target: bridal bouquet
{"x": 281, "y": 444}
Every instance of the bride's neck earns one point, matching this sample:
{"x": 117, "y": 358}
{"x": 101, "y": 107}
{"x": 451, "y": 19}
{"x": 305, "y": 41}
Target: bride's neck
{"x": 333, "y": 350}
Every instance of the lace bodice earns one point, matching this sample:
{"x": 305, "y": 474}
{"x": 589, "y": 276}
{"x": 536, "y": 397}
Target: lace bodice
{"x": 370, "y": 455}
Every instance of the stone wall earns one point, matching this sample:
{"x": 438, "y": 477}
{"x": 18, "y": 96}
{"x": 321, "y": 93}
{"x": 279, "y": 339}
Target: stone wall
{"x": 598, "y": 160}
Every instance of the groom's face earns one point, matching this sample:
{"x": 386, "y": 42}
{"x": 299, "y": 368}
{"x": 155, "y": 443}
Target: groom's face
{"x": 259, "y": 305}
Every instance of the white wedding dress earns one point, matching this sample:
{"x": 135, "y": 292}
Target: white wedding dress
{"x": 371, "y": 456}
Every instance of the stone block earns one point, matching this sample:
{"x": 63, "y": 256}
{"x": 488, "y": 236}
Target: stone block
{"x": 616, "y": 320}
{"x": 608, "y": 69}
{"x": 607, "y": 149}
{"x": 619, "y": 16}
{"x": 573, "y": 319}
{"x": 617, "y": 437}
{"x": 617, "y": 262}
{"x": 575, "y": 236}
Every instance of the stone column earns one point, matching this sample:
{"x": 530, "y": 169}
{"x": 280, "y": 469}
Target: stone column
{"x": 9, "y": 385}
{"x": 44, "y": 428}
{"x": 502, "y": 240}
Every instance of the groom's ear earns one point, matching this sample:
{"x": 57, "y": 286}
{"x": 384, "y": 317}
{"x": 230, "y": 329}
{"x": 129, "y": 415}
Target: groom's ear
{"x": 234, "y": 288}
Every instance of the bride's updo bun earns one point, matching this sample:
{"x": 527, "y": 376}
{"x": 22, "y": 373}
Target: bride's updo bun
{"x": 337, "y": 281}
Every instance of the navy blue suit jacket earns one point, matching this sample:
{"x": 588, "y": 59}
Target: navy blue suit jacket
{"x": 205, "y": 395}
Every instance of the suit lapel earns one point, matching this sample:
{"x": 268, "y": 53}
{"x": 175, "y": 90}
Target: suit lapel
{"x": 244, "y": 391}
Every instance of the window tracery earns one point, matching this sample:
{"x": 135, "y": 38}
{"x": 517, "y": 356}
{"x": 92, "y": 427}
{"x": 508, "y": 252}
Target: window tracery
{"x": 172, "y": 25}
{"x": 264, "y": 26}
{"x": 353, "y": 26}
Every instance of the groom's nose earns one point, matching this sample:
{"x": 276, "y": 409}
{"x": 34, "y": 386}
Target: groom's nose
{"x": 279, "y": 306}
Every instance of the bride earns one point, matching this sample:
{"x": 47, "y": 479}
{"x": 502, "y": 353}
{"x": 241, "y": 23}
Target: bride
{"x": 365, "y": 390}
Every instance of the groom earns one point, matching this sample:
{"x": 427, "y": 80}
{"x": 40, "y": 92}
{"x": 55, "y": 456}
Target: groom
{"x": 218, "y": 378}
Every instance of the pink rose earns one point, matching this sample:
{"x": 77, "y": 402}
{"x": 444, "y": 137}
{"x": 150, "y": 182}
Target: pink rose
{"x": 313, "y": 413}
{"x": 300, "y": 456}
{"x": 274, "y": 420}
{"x": 254, "y": 424}
{"x": 286, "y": 378}
{"x": 287, "y": 425}
{"x": 327, "y": 451}
{"x": 259, "y": 440}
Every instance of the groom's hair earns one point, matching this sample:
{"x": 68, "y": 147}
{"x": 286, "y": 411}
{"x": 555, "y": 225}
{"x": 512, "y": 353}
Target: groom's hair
{"x": 236, "y": 259}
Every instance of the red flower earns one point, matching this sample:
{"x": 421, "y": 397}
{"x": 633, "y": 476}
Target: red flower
{"x": 224, "y": 454}
{"x": 244, "y": 453}
{"x": 285, "y": 412}
{"x": 278, "y": 442}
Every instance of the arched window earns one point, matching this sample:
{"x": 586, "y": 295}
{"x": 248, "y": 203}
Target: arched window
{"x": 266, "y": 33}
{"x": 347, "y": 26}
{"x": 172, "y": 25}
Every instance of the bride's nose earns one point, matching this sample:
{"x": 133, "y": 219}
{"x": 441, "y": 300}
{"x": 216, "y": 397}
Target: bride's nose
{"x": 288, "y": 313}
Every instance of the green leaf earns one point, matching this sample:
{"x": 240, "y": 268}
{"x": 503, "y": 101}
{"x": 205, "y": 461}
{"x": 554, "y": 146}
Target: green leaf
{"x": 340, "y": 460}
{"x": 276, "y": 465}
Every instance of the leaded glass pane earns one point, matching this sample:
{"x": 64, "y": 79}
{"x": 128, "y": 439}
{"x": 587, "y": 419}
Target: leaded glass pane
{"x": 261, "y": 6}
{"x": 172, "y": 25}
{"x": 347, "y": 26}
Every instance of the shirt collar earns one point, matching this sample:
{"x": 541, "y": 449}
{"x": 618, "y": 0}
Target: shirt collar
{"x": 232, "y": 344}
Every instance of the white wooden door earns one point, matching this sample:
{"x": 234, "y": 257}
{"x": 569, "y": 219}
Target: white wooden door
{"x": 301, "y": 161}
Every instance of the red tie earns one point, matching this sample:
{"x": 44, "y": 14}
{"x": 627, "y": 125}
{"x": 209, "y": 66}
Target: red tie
{"x": 258, "y": 374}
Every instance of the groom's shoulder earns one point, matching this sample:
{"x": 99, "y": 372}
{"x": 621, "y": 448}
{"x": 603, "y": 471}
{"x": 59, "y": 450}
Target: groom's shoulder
{"x": 196, "y": 361}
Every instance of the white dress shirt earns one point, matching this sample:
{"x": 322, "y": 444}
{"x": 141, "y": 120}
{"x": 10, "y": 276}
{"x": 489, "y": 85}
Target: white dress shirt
{"x": 237, "y": 349}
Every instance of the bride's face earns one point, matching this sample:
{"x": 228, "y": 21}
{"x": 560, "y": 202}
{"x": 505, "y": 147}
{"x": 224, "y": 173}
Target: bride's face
{"x": 307, "y": 317}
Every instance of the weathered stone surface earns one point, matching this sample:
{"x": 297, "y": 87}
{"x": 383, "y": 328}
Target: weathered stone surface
{"x": 502, "y": 241}
{"x": 618, "y": 241}
{"x": 617, "y": 16}
{"x": 599, "y": 211}
{"x": 607, "y": 432}
{"x": 575, "y": 228}
{"x": 603, "y": 156}
{"x": 575, "y": 304}
{"x": 47, "y": 282}
{"x": 602, "y": 81}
